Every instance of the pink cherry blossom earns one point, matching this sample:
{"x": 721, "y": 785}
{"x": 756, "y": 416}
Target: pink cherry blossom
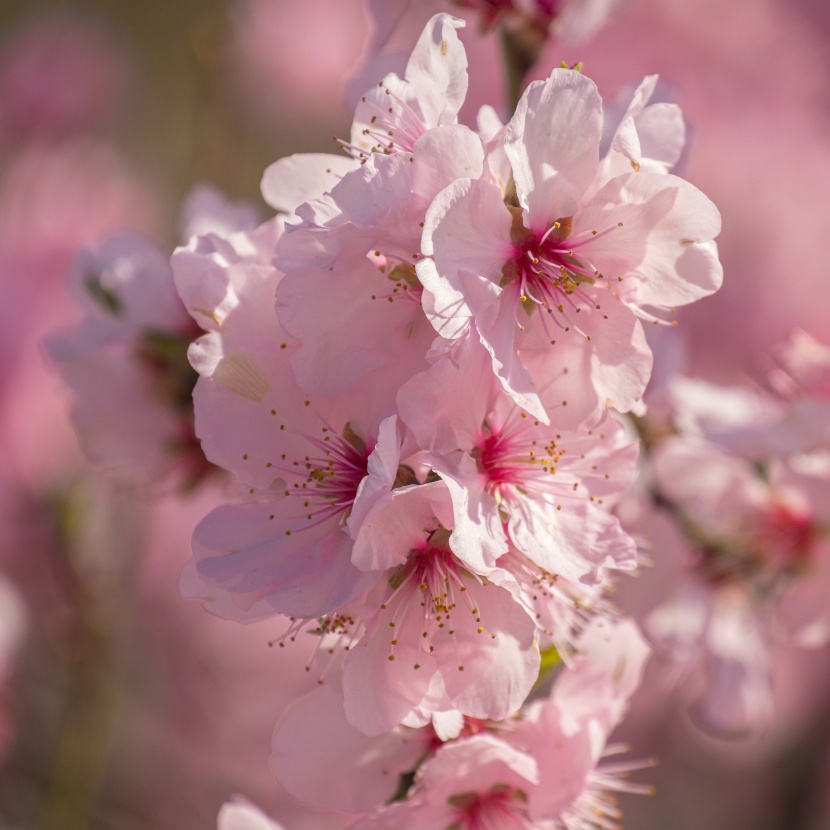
{"x": 475, "y": 784}
{"x": 513, "y": 478}
{"x": 539, "y": 768}
{"x": 562, "y": 608}
{"x": 647, "y": 136}
{"x": 758, "y": 574}
{"x": 289, "y": 550}
{"x": 319, "y": 464}
{"x": 438, "y": 635}
{"x": 566, "y": 733}
{"x": 126, "y": 363}
{"x": 392, "y": 116}
{"x": 350, "y": 294}
{"x": 563, "y": 269}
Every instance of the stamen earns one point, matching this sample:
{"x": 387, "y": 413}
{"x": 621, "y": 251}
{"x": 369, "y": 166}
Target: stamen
{"x": 549, "y": 273}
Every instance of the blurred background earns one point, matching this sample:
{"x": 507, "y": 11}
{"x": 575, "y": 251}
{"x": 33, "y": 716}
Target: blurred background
{"x": 122, "y": 705}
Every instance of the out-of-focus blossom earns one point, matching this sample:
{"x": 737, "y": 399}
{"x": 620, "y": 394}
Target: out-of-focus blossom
{"x": 58, "y": 76}
{"x": 802, "y": 367}
{"x": 800, "y": 377}
{"x": 757, "y": 564}
{"x": 533, "y": 21}
{"x": 55, "y": 199}
{"x": 127, "y": 362}
{"x": 529, "y": 22}
{"x": 264, "y": 51}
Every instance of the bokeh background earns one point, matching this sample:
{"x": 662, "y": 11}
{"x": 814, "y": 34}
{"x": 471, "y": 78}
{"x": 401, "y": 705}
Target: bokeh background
{"x": 122, "y": 705}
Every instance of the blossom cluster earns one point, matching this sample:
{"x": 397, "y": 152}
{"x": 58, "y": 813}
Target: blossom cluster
{"x": 499, "y": 523}
{"x": 741, "y": 475}
{"x": 428, "y": 427}
{"x": 420, "y": 372}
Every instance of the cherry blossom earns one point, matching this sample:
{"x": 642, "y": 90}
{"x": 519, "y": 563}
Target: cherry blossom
{"x": 758, "y": 558}
{"x": 126, "y": 364}
{"x": 350, "y": 294}
{"x": 566, "y": 733}
{"x": 476, "y": 784}
{"x": 422, "y": 384}
{"x": 391, "y": 117}
{"x": 558, "y": 275}
{"x": 647, "y": 136}
{"x": 318, "y": 463}
{"x": 539, "y": 769}
{"x": 562, "y": 608}
{"x": 439, "y": 635}
{"x": 512, "y": 477}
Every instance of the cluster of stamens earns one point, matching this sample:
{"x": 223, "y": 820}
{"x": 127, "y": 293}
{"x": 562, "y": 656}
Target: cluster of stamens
{"x": 393, "y": 128}
{"x": 512, "y": 457}
{"x": 405, "y": 282}
{"x": 552, "y": 273}
{"x": 596, "y": 807}
{"x": 431, "y": 585}
{"x": 337, "y": 630}
{"x": 566, "y": 605}
{"x": 326, "y": 482}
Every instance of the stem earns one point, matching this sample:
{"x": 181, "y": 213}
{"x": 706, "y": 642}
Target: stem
{"x": 520, "y": 53}
{"x": 96, "y": 558}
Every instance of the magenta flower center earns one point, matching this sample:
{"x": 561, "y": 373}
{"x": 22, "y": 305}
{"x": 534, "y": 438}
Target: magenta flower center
{"x": 776, "y": 544}
{"x": 551, "y": 272}
{"x": 785, "y": 536}
{"x": 327, "y": 479}
{"x": 517, "y": 456}
{"x": 552, "y": 266}
{"x": 500, "y": 809}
